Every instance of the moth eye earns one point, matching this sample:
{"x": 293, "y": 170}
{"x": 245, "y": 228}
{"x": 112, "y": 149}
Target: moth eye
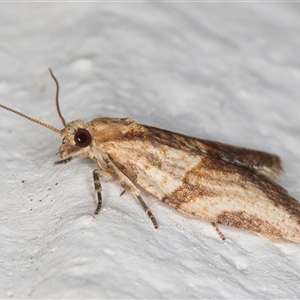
{"x": 82, "y": 138}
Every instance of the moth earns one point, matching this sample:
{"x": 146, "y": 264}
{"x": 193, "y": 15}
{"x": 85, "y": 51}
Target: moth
{"x": 215, "y": 182}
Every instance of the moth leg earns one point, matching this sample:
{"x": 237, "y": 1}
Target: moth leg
{"x": 127, "y": 184}
{"x": 122, "y": 193}
{"x": 147, "y": 211}
{"x": 63, "y": 161}
{"x": 98, "y": 189}
{"x": 221, "y": 235}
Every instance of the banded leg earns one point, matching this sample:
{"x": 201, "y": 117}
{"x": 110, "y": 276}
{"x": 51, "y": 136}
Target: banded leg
{"x": 147, "y": 211}
{"x": 98, "y": 189}
{"x": 127, "y": 184}
{"x": 63, "y": 161}
{"x": 221, "y": 235}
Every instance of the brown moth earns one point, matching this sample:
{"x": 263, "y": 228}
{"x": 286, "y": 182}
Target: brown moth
{"x": 218, "y": 183}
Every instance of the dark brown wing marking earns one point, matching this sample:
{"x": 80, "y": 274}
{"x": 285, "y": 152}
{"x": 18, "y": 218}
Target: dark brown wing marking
{"x": 264, "y": 163}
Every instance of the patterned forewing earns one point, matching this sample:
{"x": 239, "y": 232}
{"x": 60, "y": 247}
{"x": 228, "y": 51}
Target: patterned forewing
{"x": 264, "y": 163}
{"x": 158, "y": 170}
{"x": 227, "y": 194}
{"x": 207, "y": 187}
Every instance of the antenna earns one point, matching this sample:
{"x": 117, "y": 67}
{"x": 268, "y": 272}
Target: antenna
{"x": 59, "y": 132}
{"x": 56, "y": 99}
{"x": 32, "y": 119}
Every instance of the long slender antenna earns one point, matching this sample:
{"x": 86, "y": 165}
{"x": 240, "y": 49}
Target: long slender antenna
{"x": 33, "y": 120}
{"x": 56, "y": 99}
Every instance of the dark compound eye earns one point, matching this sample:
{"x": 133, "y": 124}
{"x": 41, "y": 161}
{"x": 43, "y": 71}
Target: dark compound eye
{"x": 82, "y": 138}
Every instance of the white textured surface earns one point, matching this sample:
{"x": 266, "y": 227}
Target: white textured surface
{"x": 221, "y": 71}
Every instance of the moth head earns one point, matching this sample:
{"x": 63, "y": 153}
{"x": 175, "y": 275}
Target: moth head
{"x": 76, "y": 138}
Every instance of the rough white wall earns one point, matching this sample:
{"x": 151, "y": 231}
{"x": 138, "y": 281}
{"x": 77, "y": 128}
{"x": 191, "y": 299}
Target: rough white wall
{"x": 221, "y": 71}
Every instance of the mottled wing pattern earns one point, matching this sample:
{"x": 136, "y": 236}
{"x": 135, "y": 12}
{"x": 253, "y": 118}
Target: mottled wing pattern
{"x": 177, "y": 170}
{"x": 262, "y": 162}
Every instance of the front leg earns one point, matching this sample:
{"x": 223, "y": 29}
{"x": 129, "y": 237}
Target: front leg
{"x": 98, "y": 189}
{"x": 63, "y": 161}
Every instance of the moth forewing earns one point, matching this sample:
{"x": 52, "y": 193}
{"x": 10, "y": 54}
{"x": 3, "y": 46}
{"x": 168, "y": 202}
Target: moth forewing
{"x": 218, "y": 183}
{"x": 262, "y": 162}
{"x": 174, "y": 170}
